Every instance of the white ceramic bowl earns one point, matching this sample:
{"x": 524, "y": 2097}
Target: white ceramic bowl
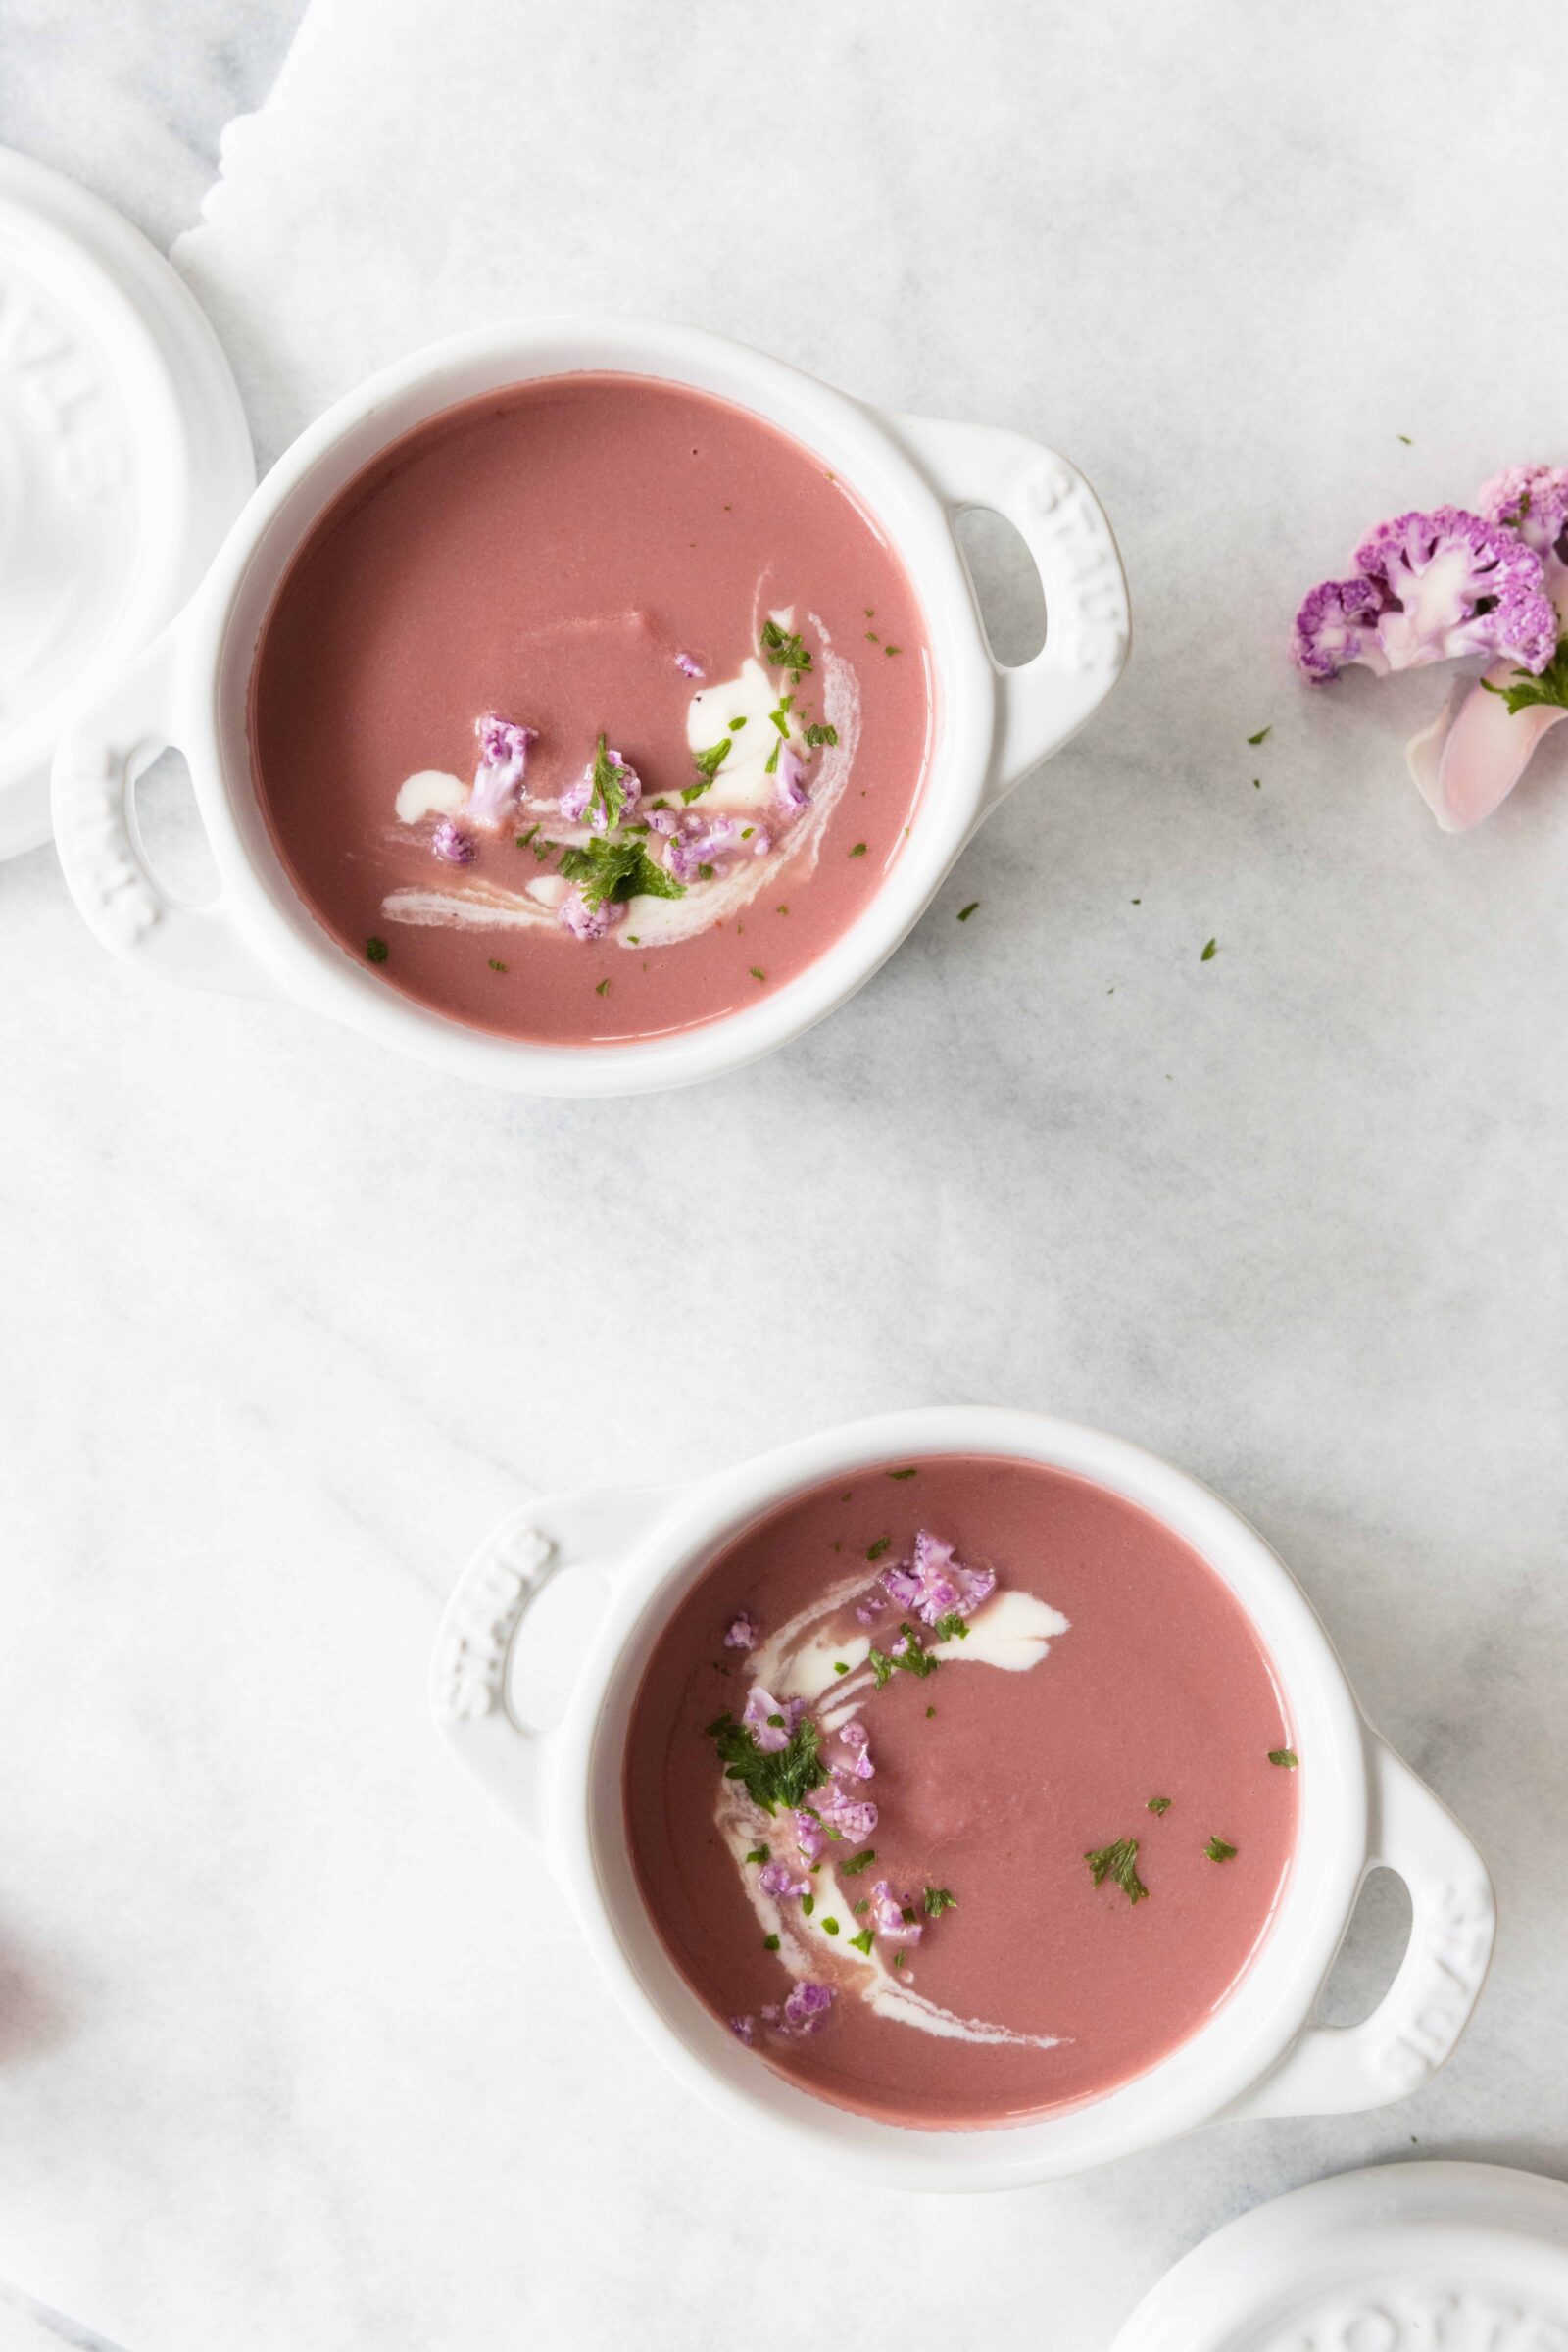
{"x": 993, "y": 724}
{"x": 1260, "y": 2055}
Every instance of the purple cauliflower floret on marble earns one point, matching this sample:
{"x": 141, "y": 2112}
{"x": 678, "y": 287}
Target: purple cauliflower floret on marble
{"x": 1532, "y": 500}
{"x": 503, "y": 748}
{"x": 1428, "y": 587}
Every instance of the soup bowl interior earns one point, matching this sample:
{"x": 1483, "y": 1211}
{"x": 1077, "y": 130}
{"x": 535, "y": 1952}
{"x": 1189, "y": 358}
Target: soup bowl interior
{"x": 1196, "y": 2082}
{"x": 220, "y": 639}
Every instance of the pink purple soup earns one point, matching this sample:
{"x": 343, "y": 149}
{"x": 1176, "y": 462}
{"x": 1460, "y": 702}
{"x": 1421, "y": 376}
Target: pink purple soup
{"x": 592, "y": 709}
{"x": 1033, "y": 1790}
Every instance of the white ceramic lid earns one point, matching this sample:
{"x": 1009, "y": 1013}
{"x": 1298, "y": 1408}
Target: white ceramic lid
{"x": 124, "y": 457}
{"x": 1445, "y": 2257}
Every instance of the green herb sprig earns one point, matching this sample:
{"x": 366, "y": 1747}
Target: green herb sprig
{"x": 1119, "y": 1864}
{"x": 783, "y": 1775}
{"x": 785, "y": 651}
{"x": 1528, "y": 691}
{"x": 615, "y": 868}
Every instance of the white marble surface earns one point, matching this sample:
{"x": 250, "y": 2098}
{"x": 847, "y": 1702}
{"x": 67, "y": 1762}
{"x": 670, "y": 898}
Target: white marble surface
{"x": 297, "y": 2045}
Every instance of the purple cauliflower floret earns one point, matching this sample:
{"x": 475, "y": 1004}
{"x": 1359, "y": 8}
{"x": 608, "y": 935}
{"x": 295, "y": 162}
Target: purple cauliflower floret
{"x": 687, "y": 667}
{"x": 452, "y": 844}
{"x": 778, "y": 1880}
{"x": 1532, "y": 500}
{"x": 935, "y": 1584}
{"x": 810, "y": 1836}
{"x": 710, "y": 842}
{"x": 743, "y": 1631}
{"x": 853, "y": 1760}
{"x": 744, "y": 2030}
{"x": 806, "y": 2008}
{"x": 852, "y": 1818}
{"x": 789, "y": 785}
{"x": 588, "y": 922}
{"x": 887, "y": 1915}
{"x": 1428, "y": 587}
{"x": 770, "y": 1721}
{"x": 503, "y": 748}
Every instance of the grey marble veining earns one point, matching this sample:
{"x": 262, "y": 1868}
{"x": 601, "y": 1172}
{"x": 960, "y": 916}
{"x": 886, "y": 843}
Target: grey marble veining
{"x": 300, "y": 2045}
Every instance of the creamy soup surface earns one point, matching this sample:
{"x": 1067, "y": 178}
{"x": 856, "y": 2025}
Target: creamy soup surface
{"x": 961, "y": 1789}
{"x": 592, "y": 709}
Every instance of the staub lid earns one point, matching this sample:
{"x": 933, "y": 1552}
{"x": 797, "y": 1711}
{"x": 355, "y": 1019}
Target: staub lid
{"x": 124, "y": 457}
{"x": 1400, "y": 2258}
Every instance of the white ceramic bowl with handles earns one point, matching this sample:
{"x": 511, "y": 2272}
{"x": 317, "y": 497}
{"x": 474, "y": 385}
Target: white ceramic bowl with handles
{"x": 993, "y": 724}
{"x": 1261, "y": 2054}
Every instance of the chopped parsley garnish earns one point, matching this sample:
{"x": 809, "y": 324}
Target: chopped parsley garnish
{"x": 1550, "y": 687}
{"x": 1119, "y": 1864}
{"x": 615, "y": 869}
{"x": 759, "y": 1853}
{"x": 863, "y": 1905}
{"x": 770, "y": 1943}
{"x": 375, "y": 951}
{"x": 1159, "y": 1804}
{"x": 609, "y": 790}
{"x": 950, "y": 1628}
{"x": 1405, "y": 438}
{"x": 938, "y": 1901}
{"x": 902, "y": 1474}
{"x": 1207, "y": 956}
{"x": 808, "y": 1904}
{"x": 930, "y": 1710}
{"x": 756, "y": 971}
{"x": 862, "y": 1941}
{"x": 1286, "y": 1756}
{"x": 695, "y": 792}
{"x": 704, "y": 873}
{"x": 524, "y": 839}
{"x": 910, "y": 1657}
{"x": 830, "y": 1927}
{"x": 1218, "y": 1851}
{"x": 816, "y": 734}
{"x": 496, "y": 964}
{"x": 785, "y": 649}
{"x": 858, "y": 1863}
{"x": 892, "y": 648}
{"x": 784, "y": 1776}
{"x": 883, "y": 1544}
{"x": 859, "y": 850}
{"x": 780, "y": 717}
{"x": 602, "y": 990}
{"x": 735, "y": 725}
{"x": 839, "y": 1667}
{"x": 710, "y": 760}
{"x": 898, "y": 1959}
{"x": 965, "y": 912}
{"x": 1263, "y": 735}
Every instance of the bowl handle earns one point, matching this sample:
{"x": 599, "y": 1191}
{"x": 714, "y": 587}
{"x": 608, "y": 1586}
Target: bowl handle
{"x": 1066, "y": 530}
{"x": 1339, "y": 2070}
{"x": 112, "y": 739}
{"x": 550, "y": 1536}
